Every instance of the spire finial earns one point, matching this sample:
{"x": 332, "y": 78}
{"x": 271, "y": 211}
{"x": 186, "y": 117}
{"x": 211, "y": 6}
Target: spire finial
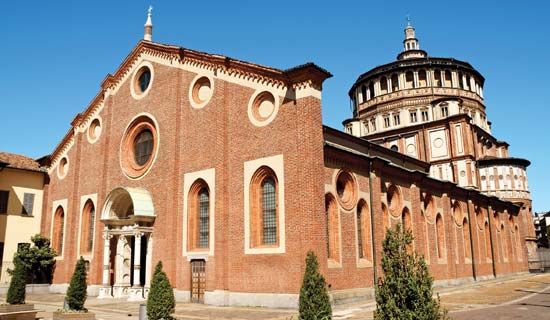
{"x": 408, "y": 20}
{"x": 148, "y": 35}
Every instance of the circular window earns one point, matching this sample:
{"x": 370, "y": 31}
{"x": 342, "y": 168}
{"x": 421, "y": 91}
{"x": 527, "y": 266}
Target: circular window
{"x": 262, "y": 108}
{"x": 394, "y": 148}
{"x": 346, "y": 190}
{"x": 429, "y": 207}
{"x": 142, "y": 80}
{"x": 63, "y": 168}
{"x": 139, "y": 147}
{"x": 94, "y": 130}
{"x": 201, "y": 91}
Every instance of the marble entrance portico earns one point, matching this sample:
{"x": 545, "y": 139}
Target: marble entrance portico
{"x": 128, "y": 216}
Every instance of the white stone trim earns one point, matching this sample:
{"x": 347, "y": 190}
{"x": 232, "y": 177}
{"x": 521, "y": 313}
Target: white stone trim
{"x": 203, "y": 74}
{"x": 64, "y": 204}
{"x": 61, "y": 176}
{"x": 209, "y": 176}
{"x": 135, "y": 94}
{"x": 121, "y": 142}
{"x": 250, "y": 111}
{"x": 83, "y": 199}
{"x": 276, "y": 164}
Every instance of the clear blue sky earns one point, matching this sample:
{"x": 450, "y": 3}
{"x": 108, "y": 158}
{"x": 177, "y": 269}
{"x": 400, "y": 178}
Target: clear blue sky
{"x": 54, "y": 54}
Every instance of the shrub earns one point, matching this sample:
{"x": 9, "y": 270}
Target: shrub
{"x": 16, "y": 291}
{"x": 314, "y": 299}
{"x": 76, "y": 294}
{"x": 160, "y": 302}
{"x": 405, "y": 292}
{"x": 38, "y": 260}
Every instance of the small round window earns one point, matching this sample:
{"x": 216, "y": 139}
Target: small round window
{"x": 142, "y": 80}
{"x": 139, "y": 147}
{"x": 62, "y": 168}
{"x": 346, "y": 190}
{"x": 263, "y": 108}
{"x": 94, "y": 130}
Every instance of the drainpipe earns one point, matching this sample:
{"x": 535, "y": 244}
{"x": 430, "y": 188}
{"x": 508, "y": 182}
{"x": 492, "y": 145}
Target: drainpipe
{"x": 372, "y": 229}
{"x": 471, "y": 240}
{"x": 489, "y": 214}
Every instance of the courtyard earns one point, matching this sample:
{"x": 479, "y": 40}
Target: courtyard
{"x": 518, "y": 297}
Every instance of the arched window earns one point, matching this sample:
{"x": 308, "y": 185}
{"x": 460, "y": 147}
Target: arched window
{"x": 394, "y": 82}
{"x": 58, "y": 230}
{"x": 447, "y": 81}
{"x": 363, "y": 93}
{"x": 487, "y": 240}
{"x": 333, "y": 233}
{"x": 503, "y": 242}
{"x": 422, "y": 78}
{"x": 363, "y": 231}
{"x": 440, "y": 234}
{"x": 409, "y": 80}
{"x": 383, "y": 85}
{"x": 406, "y": 219}
{"x": 198, "y": 233}
{"x": 264, "y": 222}
{"x": 87, "y": 228}
{"x": 385, "y": 219}
{"x": 371, "y": 90}
{"x": 461, "y": 80}
{"x": 437, "y": 78}
{"x": 466, "y": 237}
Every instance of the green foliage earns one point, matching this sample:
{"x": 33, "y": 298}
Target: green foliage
{"x": 405, "y": 292}
{"x": 314, "y": 299}
{"x": 160, "y": 302}
{"x": 76, "y": 294}
{"x": 16, "y": 291}
{"x": 38, "y": 260}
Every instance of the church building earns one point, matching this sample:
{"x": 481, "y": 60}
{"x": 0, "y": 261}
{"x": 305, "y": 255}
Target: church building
{"x": 222, "y": 169}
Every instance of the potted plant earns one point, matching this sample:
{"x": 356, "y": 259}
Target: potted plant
{"x": 15, "y": 305}
{"x": 76, "y": 296}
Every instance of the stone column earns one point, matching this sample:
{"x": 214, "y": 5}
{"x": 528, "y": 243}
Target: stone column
{"x": 119, "y": 288}
{"x": 136, "y": 292}
{"x": 105, "y": 290}
{"x": 149, "y": 260}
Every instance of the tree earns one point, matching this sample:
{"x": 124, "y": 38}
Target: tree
{"x": 38, "y": 260}
{"x": 405, "y": 292}
{"x": 160, "y": 302}
{"x": 314, "y": 298}
{"x": 76, "y": 294}
{"x": 16, "y": 291}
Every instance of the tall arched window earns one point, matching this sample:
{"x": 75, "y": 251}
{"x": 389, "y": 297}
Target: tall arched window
{"x": 503, "y": 242}
{"x": 440, "y": 233}
{"x": 199, "y": 216}
{"x": 264, "y": 197}
{"x": 87, "y": 228}
{"x": 461, "y": 80}
{"x": 466, "y": 237}
{"x": 363, "y": 93}
{"x": 385, "y": 219}
{"x": 58, "y": 230}
{"x": 363, "y": 231}
{"x": 333, "y": 232}
{"x": 406, "y": 219}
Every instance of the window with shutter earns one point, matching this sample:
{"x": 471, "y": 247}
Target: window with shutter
{"x": 28, "y": 204}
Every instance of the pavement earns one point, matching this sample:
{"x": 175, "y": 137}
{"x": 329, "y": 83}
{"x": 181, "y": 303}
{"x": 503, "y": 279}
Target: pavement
{"x": 524, "y": 296}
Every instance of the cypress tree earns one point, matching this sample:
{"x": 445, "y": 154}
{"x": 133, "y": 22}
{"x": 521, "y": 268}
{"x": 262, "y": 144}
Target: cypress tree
{"x": 314, "y": 298}
{"x": 160, "y": 302}
{"x": 76, "y": 294}
{"x": 405, "y": 292}
{"x": 16, "y": 291}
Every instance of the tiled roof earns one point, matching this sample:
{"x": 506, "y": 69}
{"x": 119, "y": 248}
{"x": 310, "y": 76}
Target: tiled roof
{"x": 17, "y": 161}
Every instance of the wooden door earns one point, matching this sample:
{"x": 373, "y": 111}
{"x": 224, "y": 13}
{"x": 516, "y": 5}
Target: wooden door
{"x": 198, "y": 280}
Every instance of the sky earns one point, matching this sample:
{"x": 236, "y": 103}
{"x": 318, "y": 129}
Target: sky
{"x": 54, "y": 55}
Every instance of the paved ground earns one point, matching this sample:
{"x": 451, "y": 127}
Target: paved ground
{"x": 519, "y": 297}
